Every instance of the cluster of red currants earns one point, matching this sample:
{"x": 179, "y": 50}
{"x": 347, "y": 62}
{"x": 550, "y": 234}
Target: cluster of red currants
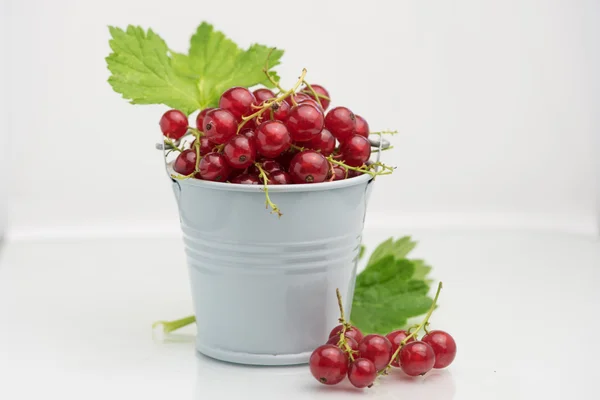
{"x": 362, "y": 358}
{"x": 262, "y": 138}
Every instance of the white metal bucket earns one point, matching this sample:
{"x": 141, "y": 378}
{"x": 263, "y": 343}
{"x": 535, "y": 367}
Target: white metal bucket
{"x": 263, "y": 287}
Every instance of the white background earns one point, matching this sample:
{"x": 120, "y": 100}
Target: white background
{"x": 496, "y": 103}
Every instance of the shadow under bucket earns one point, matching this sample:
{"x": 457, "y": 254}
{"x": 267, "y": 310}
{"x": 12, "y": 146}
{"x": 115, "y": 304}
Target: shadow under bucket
{"x": 264, "y": 287}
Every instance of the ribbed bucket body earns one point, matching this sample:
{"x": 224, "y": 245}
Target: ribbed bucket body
{"x": 264, "y": 287}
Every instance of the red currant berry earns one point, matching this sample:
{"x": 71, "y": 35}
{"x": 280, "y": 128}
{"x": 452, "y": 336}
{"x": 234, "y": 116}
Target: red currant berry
{"x": 200, "y": 118}
{"x": 362, "y": 127}
{"x": 444, "y": 347}
{"x": 353, "y": 333}
{"x": 356, "y": 151}
{"x": 185, "y": 163}
{"x": 298, "y": 97}
{"x": 324, "y": 142}
{"x": 281, "y": 111}
{"x": 240, "y": 152}
{"x": 263, "y": 94}
{"x": 320, "y": 90}
{"x": 416, "y": 358}
{"x": 353, "y": 344}
{"x": 309, "y": 167}
{"x": 339, "y": 172}
{"x": 285, "y": 158}
{"x": 219, "y": 125}
{"x": 272, "y": 138}
{"x": 362, "y": 373}
{"x": 395, "y": 338}
{"x": 173, "y": 124}
{"x": 249, "y": 133}
{"x": 376, "y": 348}
{"x": 329, "y": 364}
{"x": 304, "y": 122}
{"x": 213, "y": 167}
{"x": 238, "y": 101}
{"x": 280, "y": 178}
{"x": 341, "y": 122}
{"x": 246, "y": 179}
{"x": 205, "y": 146}
{"x": 269, "y": 166}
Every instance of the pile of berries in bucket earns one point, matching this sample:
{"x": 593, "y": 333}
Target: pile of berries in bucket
{"x": 263, "y": 138}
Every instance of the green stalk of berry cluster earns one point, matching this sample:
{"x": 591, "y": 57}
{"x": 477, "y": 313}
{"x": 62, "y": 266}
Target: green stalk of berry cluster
{"x": 422, "y": 325}
{"x": 265, "y": 179}
{"x": 343, "y": 342}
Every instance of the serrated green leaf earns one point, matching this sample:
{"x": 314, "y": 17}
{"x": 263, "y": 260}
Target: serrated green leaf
{"x": 145, "y": 71}
{"x": 421, "y": 271}
{"x": 141, "y": 71}
{"x": 399, "y": 248}
{"x": 390, "y": 288}
{"x": 385, "y": 269}
{"x": 219, "y": 64}
{"x": 389, "y": 313}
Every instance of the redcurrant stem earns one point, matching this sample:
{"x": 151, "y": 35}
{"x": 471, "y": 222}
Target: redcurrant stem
{"x": 265, "y": 179}
{"x": 384, "y": 132}
{"x": 170, "y": 326}
{"x": 387, "y": 148}
{"x": 269, "y": 103}
{"x": 295, "y": 147}
{"x": 345, "y": 325}
{"x": 172, "y": 145}
{"x": 332, "y": 172}
{"x": 387, "y": 171}
{"x": 314, "y": 93}
{"x": 419, "y": 327}
{"x": 322, "y": 96}
{"x": 266, "y": 71}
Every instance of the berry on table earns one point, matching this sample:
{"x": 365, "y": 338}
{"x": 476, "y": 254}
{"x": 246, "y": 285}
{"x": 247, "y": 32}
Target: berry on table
{"x": 272, "y": 139}
{"x": 219, "y": 125}
{"x": 362, "y": 373}
{"x": 185, "y": 163}
{"x": 213, "y": 167}
{"x": 238, "y": 101}
{"x": 362, "y": 127}
{"x": 341, "y": 123}
{"x": 328, "y": 364}
{"x": 353, "y": 344}
{"x": 444, "y": 347}
{"x": 376, "y": 348}
{"x": 304, "y": 122}
{"x": 200, "y": 118}
{"x": 356, "y": 151}
{"x": 309, "y": 167}
{"x": 249, "y": 133}
{"x": 240, "y": 152}
{"x": 353, "y": 333}
{"x": 173, "y": 124}
{"x": 417, "y": 358}
{"x": 395, "y": 338}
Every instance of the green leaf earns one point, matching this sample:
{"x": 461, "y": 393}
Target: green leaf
{"x": 391, "y": 289}
{"x": 145, "y": 71}
{"x": 141, "y": 71}
{"x": 399, "y": 248}
{"x": 384, "y": 269}
{"x": 218, "y": 63}
{"x": 388, "y": 313}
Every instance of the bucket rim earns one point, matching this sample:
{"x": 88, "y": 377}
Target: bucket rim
{"x": 294, "y": 188}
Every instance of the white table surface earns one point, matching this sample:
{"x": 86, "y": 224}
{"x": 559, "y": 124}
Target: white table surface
{"x": 76, "y": 315}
